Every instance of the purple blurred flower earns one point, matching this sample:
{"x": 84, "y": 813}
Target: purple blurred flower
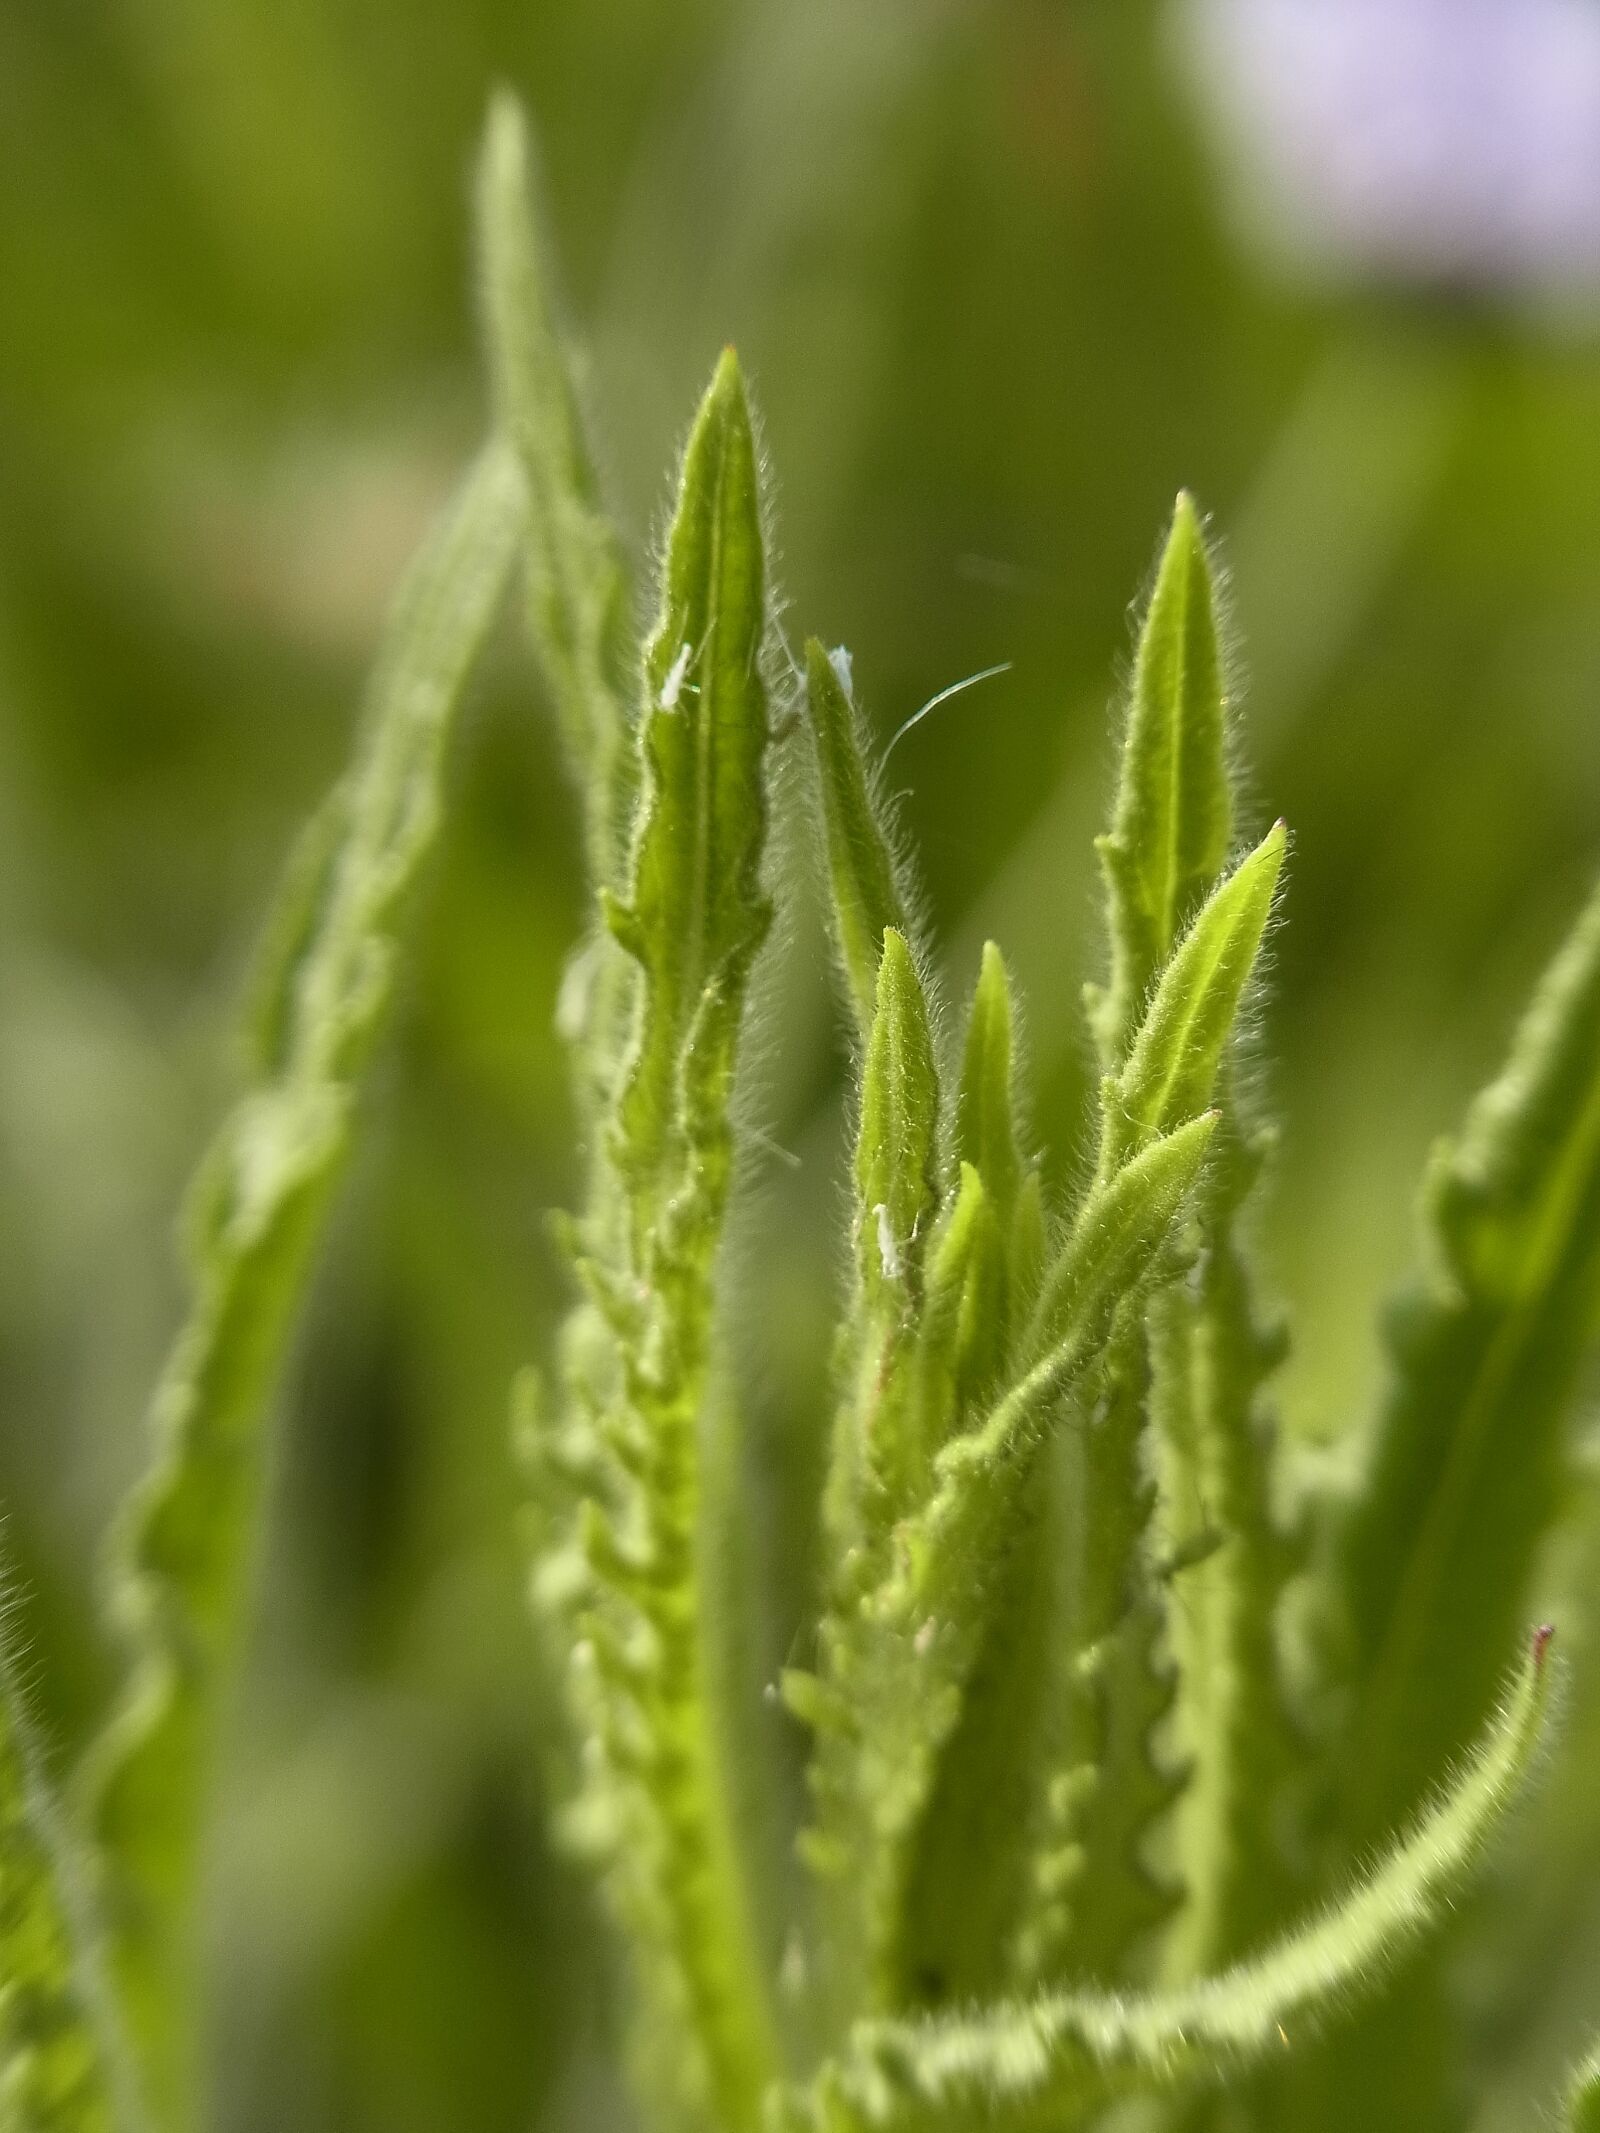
{"x": 1447, "y": 140}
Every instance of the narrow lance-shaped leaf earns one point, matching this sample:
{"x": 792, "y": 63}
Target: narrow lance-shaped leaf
{"x": 61, "y": 2067}
{"x": 697, "y": 913}
{"x": 1088, "y": 1892}
{"x": 1007, "y": 1259}
{"x": 642, "y": 1565}
{"x": 1173, "y": 820}
{"x": 1225, "y": 1560}
{"x": 577, "y": 584}
{"x": 1466, "y": 1472}
{"x": 181, "y": 1554}
{"x": 964, "y": 1892}
{"x": 974, "y": 1520}
{"x": 1212, "y": 1353}
{"x": 1469, "y": 1456}
{"x": 1171, "y": 1068}
{"x": 878, "y": 1455}
{"x": 1055, "y": 2061}
{"x": 866, "y": 893}
{"x": 895, "y": 1672}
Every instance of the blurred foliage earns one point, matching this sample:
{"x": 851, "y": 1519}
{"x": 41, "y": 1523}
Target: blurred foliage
{"x": 973, "y": 259}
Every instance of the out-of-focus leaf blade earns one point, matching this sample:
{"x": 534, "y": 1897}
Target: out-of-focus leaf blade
{"x": 184, "y": 1545}
{"x": 577, "y": 584}
{"x": 1470, "y": 1451}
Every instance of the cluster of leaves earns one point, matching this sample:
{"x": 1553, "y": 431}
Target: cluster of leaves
{"x": 1083, "y": 1821}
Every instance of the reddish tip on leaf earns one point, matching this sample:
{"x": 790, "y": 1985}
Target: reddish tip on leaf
{"x": 1542, "y": 1638}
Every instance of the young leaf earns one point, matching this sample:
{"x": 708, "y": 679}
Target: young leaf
{"x": 577, "y": 586}
{"x": 1211, "y": 1354}
{"x": 879, "y": 1456}
{"x": 978, "y": 1270}
{"x": 896, "y": 1147}
{"x": 697, "y": 912}
{"x": 1173, "y": 820}
{"x": 181, "y": 1555}
{"x": 1056, "y": 2060}
{"x": 896, "y": 1667}
{"x": 867, "y": 897}
{"x": 1089, "y": 1893}
{"x": 1469, "y": 1455}
{"x": 1171, "y": 1069}
{"x": 60, "y": 2068}
{"x": 639, "y": 1571}
{"x": 988, "y": 1132}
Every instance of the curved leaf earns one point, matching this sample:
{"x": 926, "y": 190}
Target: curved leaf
{"x": 1053, "y": 2061}
{"x": 866, "y": 893}
{"x": 1470, "y": 1452}
{"x": 578, "y": 597}
{"x": 181, "y": 1555}
{"x": 896, "y": 1667}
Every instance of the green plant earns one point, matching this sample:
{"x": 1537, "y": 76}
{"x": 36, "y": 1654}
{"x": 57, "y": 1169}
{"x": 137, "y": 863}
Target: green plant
{"x": 1083, "y": 1820}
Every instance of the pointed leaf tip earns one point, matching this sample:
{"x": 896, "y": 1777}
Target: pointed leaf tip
{"x": 865, "y": 895}
{"x": 987, "y": 1111}
{"x": 1063, "y": 2056}
{"x": 895, "y": 1153}
{"x": 505, "y": 125}
{"x": 727, "y": 380}
{"x": 1173, "y": 818}
{"x": 1172, "y": 1066}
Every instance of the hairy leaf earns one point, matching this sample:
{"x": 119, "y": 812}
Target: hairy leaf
{"x": 880, "y": 1449}
{"x": 1173, "y": 819}
{"x": 184, "y": 1546}
{"x": 1100, "y": 1787}
{"x": 697, "y": 913}
{"x": 1090, "y": 1892}
{"x": 1105, "y": 1786}
{"x": 60, "y": 2058}
{"x": 635, "y": 1579}
{"x": 895, "y": 1668}
{"x": 867, "y": 894}
{"x": 1171, "y": 1069}
{"x": 1211, "y": 1355}
{"x": 1054, "y": 2060}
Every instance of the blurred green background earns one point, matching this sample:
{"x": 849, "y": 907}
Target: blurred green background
{"x": 974, "y": 256}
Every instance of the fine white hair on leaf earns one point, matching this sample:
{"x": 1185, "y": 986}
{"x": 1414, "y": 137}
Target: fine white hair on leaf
{"x": 888, "y": 1249}
{"x": 677, "y": 674}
